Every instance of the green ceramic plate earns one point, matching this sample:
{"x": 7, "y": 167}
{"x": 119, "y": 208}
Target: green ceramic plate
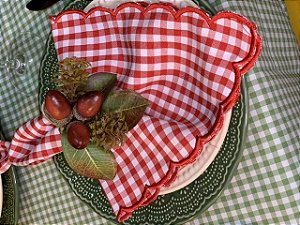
{"x": 176, "y": 207}
{"x": 10, "y": 207}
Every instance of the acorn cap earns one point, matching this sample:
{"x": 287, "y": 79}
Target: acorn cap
{"x": 77, "y": 116}
{"x": 58, "y": 123}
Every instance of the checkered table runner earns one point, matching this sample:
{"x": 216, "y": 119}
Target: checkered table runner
{"x": 156, "y": 53}
{"x": 265, "y": 188}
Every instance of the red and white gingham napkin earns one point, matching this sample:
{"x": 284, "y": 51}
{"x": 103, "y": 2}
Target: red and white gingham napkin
{"x": 186, "y": 64}
{"x": 34, "y": 142}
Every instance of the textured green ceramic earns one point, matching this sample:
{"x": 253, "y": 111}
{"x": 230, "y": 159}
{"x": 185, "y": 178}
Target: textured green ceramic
{"x": 10, "y": 209}
{"x": 176, "y": 207}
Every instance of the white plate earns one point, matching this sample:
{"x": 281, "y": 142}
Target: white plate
{"x": 111, "y": 4}
{"x": 192, "y": 171}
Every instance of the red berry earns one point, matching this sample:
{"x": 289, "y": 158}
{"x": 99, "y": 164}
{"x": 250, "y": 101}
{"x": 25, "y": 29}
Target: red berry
{"x": 78, "y": 134}
{"x": 57, "y": 105}
{"x": 89, "y": 104}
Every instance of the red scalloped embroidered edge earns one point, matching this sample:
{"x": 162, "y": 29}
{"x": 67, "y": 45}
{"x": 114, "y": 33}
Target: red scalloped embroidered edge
{"x": 240, "y": 68}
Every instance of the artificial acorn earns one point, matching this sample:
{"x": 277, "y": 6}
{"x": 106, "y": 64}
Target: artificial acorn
{"x": 57, "y": 108}
{"x": 78, "y": 134}
{"x": 88, "y": 105}
{"x": 57, "y": 105}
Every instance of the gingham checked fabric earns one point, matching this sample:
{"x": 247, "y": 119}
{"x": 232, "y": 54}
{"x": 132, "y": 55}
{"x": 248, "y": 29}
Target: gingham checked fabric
{"x": 33, "y": 143}
{"x": 187, "y": 65}
{"x": 265, "y": 186}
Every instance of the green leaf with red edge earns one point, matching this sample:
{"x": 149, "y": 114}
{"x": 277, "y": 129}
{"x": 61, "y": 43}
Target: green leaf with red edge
{"x": 93, "y": 161}
{"x": 131, "y": 104}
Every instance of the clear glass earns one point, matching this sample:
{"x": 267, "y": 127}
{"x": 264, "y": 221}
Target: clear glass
{"x": 22, "y": 62}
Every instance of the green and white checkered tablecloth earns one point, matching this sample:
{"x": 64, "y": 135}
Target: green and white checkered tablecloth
{"x": 265, "y": 188}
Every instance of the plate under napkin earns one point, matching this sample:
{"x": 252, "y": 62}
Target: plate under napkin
{"x": 192, "y": 171}
{"x": 186, "y": 64}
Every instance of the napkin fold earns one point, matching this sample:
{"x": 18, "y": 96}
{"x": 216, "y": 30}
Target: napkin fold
{"x": 34, "y": 142}
{"x": 187, "y": 65}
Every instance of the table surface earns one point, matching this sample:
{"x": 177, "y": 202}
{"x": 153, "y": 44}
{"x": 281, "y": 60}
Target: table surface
{"x": 265, "y": 187}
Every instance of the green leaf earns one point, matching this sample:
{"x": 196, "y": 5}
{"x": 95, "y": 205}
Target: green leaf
{"x": 101, "y": 82}
{"x": 131, "y": 104}
{"x": 92, "y": 161}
